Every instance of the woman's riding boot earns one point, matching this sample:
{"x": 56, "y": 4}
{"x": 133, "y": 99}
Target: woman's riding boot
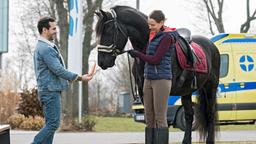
{"x": 149, "y": 135}
{"x": 161, "y": 136}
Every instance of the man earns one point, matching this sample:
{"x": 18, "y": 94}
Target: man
{"x": 52, "y": 78}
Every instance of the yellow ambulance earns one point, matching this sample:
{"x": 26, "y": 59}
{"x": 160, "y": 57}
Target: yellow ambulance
{"x": 237, "y": 88}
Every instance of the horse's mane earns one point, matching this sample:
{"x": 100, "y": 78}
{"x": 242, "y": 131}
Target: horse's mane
{"x": 132, "y": 17}
{"x": 130, "y": 11}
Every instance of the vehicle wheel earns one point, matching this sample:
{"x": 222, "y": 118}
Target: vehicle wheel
{"x": 181, "y": 122}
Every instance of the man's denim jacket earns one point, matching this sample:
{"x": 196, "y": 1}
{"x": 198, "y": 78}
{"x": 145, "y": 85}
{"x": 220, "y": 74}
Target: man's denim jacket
{"x": 50, "y": 71}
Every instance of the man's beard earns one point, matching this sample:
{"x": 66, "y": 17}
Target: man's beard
{"x": 52, "y": 37}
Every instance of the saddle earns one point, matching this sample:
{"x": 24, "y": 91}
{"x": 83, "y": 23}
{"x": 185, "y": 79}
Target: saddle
{"x": 190, "y": 55}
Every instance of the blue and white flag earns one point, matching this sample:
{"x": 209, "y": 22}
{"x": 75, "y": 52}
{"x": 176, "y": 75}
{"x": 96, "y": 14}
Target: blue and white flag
{"x": 75, "y": 37}
{"x": 75, "y": 48}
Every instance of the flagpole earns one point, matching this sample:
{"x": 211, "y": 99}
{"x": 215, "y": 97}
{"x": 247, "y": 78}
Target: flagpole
{"x": 80, "y": 10}
{"x": 75, "y": 49}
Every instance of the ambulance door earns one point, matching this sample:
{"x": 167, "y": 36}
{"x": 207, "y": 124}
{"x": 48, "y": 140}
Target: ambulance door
{"x": 245, "y": 71}
{"x": 225, "y": 95}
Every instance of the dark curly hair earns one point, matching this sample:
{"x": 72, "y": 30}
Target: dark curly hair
{"x": 44, "y": 23}
{"x": 157, "y": 15}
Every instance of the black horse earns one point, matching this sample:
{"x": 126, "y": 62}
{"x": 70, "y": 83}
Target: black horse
{"x": 122, "y": 22}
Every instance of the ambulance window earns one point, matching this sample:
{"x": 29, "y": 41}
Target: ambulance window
{"x": 223, "y": 65}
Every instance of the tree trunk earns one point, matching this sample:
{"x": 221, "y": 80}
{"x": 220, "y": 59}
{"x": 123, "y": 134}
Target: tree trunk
{"x": 70, "y": 96}
{"x": 63, "y": 28}
{"x": 88, "y": 23}
{"x": 247, "y": 24}
{"x": 215, "y": 16}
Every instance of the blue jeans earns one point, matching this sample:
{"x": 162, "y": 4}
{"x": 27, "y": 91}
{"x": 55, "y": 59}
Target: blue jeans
{"x": 52, "y": 110}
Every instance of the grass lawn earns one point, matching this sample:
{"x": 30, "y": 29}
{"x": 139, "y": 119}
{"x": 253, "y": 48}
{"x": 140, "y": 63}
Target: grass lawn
{"x": 118, "y": 124}
{"x": 125, "y": 124}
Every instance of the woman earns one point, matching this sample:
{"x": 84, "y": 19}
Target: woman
{"x": 158, "y": 76}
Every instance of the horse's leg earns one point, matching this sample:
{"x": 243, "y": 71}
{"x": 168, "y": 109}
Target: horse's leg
{"x": 187, "y": 105}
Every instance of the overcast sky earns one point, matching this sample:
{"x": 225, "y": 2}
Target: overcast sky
{"x": 181, "y": 13}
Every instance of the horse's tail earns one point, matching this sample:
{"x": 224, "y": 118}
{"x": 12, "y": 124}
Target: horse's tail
{"x": 207, "y": 94}
{"x": 207, "y": 116}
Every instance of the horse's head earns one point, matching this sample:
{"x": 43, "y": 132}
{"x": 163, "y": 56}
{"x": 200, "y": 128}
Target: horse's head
{"x": 111, "y": 37}
{"x": 113, "y": 29}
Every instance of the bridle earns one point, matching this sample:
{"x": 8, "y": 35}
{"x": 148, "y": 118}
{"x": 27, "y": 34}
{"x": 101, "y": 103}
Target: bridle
{"x": 117, "y": 28}
{"x": 114, "y": 51}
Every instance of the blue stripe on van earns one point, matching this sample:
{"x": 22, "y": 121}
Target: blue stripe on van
{"x": 218, "y": 37}
{"x": 236, "y": 86}
{"x": 173, "y": 99}
{"x": 231, "y": 88}
{"x": 241, "y": 40}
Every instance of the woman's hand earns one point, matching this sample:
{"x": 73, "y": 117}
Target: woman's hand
{"x": 89, "y": 76}
{"x": 132, "y": 53}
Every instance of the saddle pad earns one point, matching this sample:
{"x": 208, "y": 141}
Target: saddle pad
{"x": 200, "y": 64}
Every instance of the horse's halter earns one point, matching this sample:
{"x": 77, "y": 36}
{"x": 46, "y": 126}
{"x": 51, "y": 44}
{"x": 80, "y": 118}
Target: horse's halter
{"x": 117, "y": 27}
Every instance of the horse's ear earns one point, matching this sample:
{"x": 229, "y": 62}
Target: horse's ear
{"x": 103, "y": 13}
{"x": 98, "y": 13}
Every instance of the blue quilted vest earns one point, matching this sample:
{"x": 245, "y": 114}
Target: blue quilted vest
{"x": 162, "y": 70}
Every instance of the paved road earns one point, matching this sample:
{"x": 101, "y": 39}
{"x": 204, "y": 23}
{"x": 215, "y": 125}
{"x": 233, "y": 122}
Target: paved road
{"x": 25, "y": 137}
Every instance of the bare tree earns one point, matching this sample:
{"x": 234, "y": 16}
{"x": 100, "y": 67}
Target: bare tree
{"x": 89, "y": 10}
{"x": 25, "y": 39}
{"x": 108, "y": 84}
{"x": 215, "y": 10}
{"x": 249, "y": 18}
{"x": 32, "y": 10}
{"x": 201, "y": 17}
{"x": 8, "y": 77}
{"x": 97, "y": 93}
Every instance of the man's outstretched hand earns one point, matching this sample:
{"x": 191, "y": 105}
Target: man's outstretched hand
{"x": 86, "y": 77}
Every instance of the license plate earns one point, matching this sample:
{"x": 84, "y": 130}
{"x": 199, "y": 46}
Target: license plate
{"x": 139, "y": 117}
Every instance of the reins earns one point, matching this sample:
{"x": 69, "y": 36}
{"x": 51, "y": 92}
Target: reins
{"x": 117, "y": 28}
{"x": 134, "y": 94}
